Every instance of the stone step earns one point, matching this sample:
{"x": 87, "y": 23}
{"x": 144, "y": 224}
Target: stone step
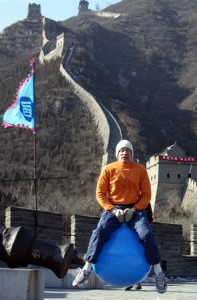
{"x": 21, "y": 284}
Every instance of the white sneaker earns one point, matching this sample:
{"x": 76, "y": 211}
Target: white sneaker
{"x": 134, "y": 287}
{"x": 161, "y": 285}
{"x": 81, "y": 277}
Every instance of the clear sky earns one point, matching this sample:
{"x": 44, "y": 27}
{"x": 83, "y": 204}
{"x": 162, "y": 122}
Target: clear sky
{"x": 12, "y": 11}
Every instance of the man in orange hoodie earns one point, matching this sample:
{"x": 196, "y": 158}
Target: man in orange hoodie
{"x": 124, "y": 192}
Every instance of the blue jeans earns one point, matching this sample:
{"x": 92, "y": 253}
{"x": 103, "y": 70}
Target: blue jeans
{"x": 108, "y": 223}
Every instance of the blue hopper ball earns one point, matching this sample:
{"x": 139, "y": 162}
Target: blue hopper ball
{"x": 122, "y": 260}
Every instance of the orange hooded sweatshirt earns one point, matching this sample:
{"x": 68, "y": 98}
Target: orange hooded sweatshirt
{"x": 123, "y": 183}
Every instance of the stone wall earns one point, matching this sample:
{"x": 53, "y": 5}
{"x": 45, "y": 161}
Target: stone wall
{"x": 169, "y": 237}
{"x": 189, "y": 203}
{"x": 193, "y": 239}
{"x": 108, "y": 127}
{"x": 105, "y": 14}
{"x": 81, "y": 228}
{"x": 52, "y": 49}
{"x": 93, "y": 106}
{"x": 167, "y": 195}
{"x": 50, "y": 225}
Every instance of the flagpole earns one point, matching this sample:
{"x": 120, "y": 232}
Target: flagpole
{"x": 35, "y": 189}
{"x": 35, "y": 155}
{"x": 22, "y": 114}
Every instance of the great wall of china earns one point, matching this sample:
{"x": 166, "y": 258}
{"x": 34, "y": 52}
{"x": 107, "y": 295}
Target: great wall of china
{"x": 168, "y": 180}
{"x": 108, "y": 128}
{"x": 64, "y": 46}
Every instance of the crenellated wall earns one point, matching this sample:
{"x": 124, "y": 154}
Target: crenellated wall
{"x": 53, "y": 49}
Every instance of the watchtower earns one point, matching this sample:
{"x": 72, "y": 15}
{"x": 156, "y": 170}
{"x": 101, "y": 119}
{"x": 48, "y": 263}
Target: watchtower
{"x": 83, "y": 7}
{"x": 34, "y": 12}
{"x": 168, "y": 173}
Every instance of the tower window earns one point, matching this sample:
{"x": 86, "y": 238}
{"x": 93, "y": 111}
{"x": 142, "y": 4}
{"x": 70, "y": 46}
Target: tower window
{"x": 179, "y": 175}
{"x": 168, "y": 175}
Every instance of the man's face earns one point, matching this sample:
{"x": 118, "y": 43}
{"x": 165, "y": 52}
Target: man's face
{"x": 125, "y": 155}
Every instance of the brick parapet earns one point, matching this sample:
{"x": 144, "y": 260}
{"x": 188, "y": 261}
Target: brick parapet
{"x": 50, "y": 225}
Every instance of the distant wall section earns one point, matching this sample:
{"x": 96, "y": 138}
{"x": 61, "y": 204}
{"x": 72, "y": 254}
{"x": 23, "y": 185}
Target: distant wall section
{"x": 189, "y": 203}
{"x": 94, "y": 107}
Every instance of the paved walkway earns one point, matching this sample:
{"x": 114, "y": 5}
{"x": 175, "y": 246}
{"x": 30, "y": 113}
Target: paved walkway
{"x": 176, "y": 290}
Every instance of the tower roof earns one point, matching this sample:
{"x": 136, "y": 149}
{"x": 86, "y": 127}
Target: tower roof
{"x": 173, "y": 150}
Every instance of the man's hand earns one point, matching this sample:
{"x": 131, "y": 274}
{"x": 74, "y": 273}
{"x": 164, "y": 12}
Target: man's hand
{"x": 128, "y": 214}
{"x": 119, "y": 213}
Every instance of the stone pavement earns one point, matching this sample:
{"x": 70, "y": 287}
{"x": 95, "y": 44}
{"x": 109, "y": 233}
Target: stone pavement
{"x": 176, "y": 291}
